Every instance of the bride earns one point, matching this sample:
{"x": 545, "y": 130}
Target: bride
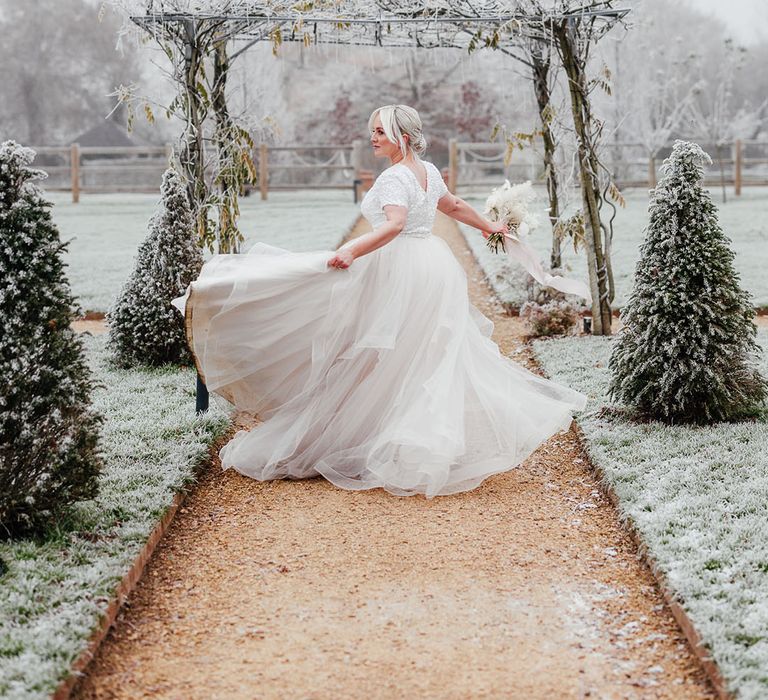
{"x": 369, "y": 365}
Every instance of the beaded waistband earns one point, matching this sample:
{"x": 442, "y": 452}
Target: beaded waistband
{"x": 417, "y": 233}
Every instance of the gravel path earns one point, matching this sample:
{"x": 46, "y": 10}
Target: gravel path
{"x": 526, "y": 587}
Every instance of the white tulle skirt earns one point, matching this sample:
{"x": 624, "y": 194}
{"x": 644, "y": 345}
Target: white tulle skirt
{"x": 380, "y": 375}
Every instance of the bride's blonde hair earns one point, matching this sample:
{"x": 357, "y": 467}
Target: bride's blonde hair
{"x": 400, "y": 120}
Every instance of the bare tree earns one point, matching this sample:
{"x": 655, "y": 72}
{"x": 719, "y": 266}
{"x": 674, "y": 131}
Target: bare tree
{"x": 661, "y": 88}
{"x": 571, "y": 29}
{"x": 713, "y": 114}
{"x": 199, "y": 63}
{"x": 59, "y": 65}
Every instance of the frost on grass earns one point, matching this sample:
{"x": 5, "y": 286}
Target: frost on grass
{"x": 105, "y": 231}
{"x": 698, "y": 497}
{"x": 744, "y": 220}
{"x": 57, "y": 588}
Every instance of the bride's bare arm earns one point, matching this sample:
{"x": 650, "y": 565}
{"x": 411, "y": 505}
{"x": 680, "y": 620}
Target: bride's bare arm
{"x": 458, "y": 209}
{"x": 368, "y": 242}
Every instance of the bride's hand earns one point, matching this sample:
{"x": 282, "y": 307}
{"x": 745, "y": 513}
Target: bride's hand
{"x": 342, "y": 259}
{"x": 495, "y": 227}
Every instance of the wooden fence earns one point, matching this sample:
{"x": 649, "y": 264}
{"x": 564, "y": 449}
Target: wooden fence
{"x": 333, "y": 167}
{"x": 351, "y": 166}
{"x": 81, "y": 169}
{"x": 739, "y": 164}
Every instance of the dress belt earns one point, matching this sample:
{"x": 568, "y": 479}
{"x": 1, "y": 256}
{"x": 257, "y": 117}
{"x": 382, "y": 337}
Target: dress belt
{"x": 417, "y": 233}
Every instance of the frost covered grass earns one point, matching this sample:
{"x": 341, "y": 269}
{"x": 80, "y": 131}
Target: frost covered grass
{"x": 744, "y": 220}
{"x": 107, "y": 229}
{"x": 697, "y": 496}
{"x": 59, "y": 585}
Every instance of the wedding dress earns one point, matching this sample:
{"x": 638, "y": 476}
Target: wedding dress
{"x": 379, "y": 375}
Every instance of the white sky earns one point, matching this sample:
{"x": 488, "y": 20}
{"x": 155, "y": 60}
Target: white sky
{"x": 748, "y": 19}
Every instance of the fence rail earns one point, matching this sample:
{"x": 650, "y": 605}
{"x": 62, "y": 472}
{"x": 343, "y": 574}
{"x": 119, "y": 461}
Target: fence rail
{"x": 743, "y": 163}
{"x": 84, "y": 169}
{"x": 327, "y": 166}
{"x": 80, "y": 169}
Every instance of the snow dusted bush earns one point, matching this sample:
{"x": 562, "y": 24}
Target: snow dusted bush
{"x": 144, "y": 329}
{"x": 555, "y": 317}
{"x": 48, "y": 430}
{"x": 59, "y": 585}
{"x": 687, "y": 351}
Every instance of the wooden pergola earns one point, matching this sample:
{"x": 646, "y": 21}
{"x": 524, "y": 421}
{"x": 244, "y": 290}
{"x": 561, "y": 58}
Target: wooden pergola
{"x": 228, "y": 28}
{"x": 452, "y": 24}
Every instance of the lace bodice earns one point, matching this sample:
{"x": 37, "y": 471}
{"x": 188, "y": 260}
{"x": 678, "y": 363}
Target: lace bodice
{"x": 398, "y": 185}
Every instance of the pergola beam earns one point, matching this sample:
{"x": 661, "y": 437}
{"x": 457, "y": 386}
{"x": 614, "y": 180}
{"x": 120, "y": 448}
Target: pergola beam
{"x": 415, "y": 27}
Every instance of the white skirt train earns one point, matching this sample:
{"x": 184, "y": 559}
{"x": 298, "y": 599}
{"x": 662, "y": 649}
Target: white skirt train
{"x": 380, "y": 375}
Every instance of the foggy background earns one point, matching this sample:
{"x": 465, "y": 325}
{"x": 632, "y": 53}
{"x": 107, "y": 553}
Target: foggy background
{"x": 60, "y": 65}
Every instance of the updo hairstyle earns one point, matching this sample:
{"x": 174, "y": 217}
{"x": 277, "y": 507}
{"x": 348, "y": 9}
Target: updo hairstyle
{"x": 400, "y": 120}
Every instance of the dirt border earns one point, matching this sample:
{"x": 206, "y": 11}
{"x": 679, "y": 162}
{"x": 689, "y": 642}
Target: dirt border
{"x": 678, "y": 612}
{"x": 121, "y": 593}
{"x": 132, "y": 577}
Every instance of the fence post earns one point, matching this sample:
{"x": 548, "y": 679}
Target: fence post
{"x": 652, "y": 172}
{"x": 74, "y": 171}
{"x": 358, "y": 147}
{"x": 453, "y": 165}
{"x": 263, "y": 171}
{"x": 366, "y": 180}
{"x": 356, "y": 161}
{"x": 737, "y": 164}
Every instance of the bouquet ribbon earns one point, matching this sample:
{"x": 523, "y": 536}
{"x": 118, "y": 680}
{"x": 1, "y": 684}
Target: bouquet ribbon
{"x": 520, "y": 251}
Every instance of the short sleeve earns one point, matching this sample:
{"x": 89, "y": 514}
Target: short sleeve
{"x": 440, "y": 188}
{"x": 392, "y": 190}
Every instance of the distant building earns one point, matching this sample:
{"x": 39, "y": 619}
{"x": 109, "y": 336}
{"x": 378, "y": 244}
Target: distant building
{"x": 107, "y": 133}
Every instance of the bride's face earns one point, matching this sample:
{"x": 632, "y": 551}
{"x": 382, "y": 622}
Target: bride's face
{"x": 382, "y": 146}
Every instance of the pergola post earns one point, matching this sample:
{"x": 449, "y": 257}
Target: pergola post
{"x": 540, "y": 66}
{"x": 599, "y": 267}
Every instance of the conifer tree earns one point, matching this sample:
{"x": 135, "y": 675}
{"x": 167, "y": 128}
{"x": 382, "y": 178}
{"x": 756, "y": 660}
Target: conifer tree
{"x": 48, "y": 430}
{"x": 687, "y": 352}
{"x": 144, "y": 329}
